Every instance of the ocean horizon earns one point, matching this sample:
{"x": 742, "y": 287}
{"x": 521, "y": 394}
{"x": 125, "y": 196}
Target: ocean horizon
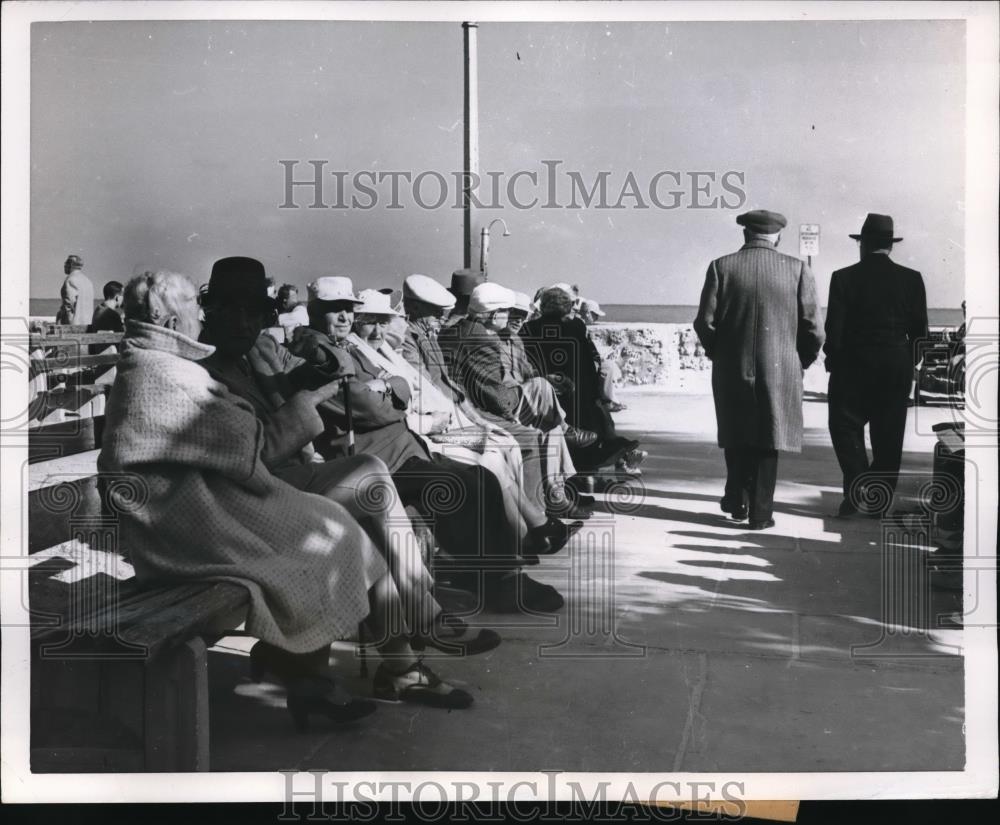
{"x": 621, "y": 313}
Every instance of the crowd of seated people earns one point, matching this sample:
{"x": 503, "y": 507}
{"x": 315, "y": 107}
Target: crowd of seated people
{"x": 309, "y": 470}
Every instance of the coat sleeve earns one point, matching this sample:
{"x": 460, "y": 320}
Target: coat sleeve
{"x": 835, "y": 312}
{"x": 917, "y": 329}
{"x": 484, "y": 380}
{"x": 705, "y": 321}
{"x": 810, "y": 333}
{"x": 288, "y": 429}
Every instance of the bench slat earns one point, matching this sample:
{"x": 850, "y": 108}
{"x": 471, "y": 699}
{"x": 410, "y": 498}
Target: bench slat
{"x": 74, "y": 340}
{"x": 72, "y": 363}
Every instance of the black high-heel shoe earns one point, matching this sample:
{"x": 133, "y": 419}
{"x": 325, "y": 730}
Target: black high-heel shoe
{"x": 307, "y": 693}
{"x": 320, "y": 696}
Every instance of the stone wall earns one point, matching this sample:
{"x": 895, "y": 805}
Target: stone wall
{"x": 668, "y": 357}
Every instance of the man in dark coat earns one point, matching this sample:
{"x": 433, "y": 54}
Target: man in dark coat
{"x": 760, "y": 324}
{"x": 876, "y": 314}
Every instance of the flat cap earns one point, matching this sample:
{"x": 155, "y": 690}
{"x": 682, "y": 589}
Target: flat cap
{"x": 333, "y": 288}
{"x": 762, "y": 221}
{"x": 490, "y": 297}
{"x": 422, "y": 288}
{"x": 74, "y": 261}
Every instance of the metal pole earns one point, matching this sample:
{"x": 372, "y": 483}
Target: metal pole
{"x": 484, "y": 249}
{"x": 471, "y": 135}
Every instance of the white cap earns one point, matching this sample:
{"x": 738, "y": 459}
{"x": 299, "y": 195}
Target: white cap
{"x": 592, "y": 307}
{"x": 375, "y": 302}
{"x": 490, "y": 297}
{"x": 564, "y": 287}
{"x": 333, "y": 288}
{"x": 522, "y": 302}
{"x": 422, "y": 288}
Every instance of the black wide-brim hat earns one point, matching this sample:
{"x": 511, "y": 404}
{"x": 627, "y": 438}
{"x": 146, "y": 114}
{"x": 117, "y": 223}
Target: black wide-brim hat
{"x": 877, "y": 227}
{"x": 238, "y": 280}
{"x": 463, "y": 281}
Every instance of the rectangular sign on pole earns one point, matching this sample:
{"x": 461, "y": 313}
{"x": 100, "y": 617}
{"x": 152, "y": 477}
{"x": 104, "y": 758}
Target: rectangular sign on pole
{"x": 808, "y": 239}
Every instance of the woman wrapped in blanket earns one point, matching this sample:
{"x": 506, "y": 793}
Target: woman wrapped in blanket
{"x": 214, "y": 511}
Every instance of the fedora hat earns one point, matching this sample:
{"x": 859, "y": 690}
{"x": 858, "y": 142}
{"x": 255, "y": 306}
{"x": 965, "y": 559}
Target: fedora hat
{"x": 375, "y": 302}
{"x": 238, "y": 280}
{"x": 333, "y": 288}
{"x": 879, "y": 227}
{"x": 463, "y": 281}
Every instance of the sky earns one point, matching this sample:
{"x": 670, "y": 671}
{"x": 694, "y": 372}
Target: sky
{"x": 157, "y": 144}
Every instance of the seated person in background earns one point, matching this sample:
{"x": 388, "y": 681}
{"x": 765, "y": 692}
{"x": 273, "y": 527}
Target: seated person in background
{"x": 447, "y": 429}
{"x": 607, "y": 368}
{"x": 558, "y": 343}
{"x": 108, "y": 315}
{"x": 291, "y": 314}
{"x": 284, "y": 392}
{"x": 213, "y": 511}
{"x": 107, "y": 318}
{"x": 545, "y": 458}
{"x": 478, "y": 362}
{"x": 465, "y": 503}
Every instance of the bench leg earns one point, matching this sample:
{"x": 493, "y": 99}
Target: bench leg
{"x": 176, "y": 709}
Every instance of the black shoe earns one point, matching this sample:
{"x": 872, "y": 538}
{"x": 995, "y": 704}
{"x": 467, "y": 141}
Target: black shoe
{"x": 321, "y": 696}
{"x": 756, "y": 524}
{"x": 736, "y": 511}
{"x": 449, "y": 634}
{"x": 579, "y": 439}
{"x": 846, "y": 509}
{"x": 514, "y": 594}
{"x": 554, "y": 534}
{"x": 569, "y": 510}
{"x": 420, "y": 685}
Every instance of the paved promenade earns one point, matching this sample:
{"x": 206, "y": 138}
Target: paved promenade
{"x": 687, "y": 644}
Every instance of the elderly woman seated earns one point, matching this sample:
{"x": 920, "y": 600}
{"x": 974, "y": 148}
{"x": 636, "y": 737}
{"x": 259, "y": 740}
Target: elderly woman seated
{"x": 464, "y": 503}
{"x": 215, "y": 511}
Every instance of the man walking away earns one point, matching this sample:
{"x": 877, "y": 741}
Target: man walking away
{"x": 876, "y": 314}
{"x": 760, "y": 324}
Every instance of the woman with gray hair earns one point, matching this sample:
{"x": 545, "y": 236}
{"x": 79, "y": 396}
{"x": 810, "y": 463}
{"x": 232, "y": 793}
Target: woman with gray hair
{"x": 213, "y": 511}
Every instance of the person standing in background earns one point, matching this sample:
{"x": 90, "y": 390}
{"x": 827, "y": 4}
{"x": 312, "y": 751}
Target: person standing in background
{"x": 77, "y": 295}
{"x": 876, "y": 314}
{"x": 760, "y": 324}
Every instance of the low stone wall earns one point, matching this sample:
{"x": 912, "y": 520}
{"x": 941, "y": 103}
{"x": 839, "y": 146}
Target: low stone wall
{"x": 668, "y": 357}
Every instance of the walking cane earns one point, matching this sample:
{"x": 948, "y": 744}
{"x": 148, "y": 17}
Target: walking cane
{"x": 344, "y": 385}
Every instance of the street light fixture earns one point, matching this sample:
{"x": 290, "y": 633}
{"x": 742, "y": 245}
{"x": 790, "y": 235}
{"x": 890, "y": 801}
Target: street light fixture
{"x": 484, "y": 242}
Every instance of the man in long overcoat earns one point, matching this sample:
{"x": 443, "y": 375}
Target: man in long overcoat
{"x": 876, "y": 314}
{"x": 759, "y": 322}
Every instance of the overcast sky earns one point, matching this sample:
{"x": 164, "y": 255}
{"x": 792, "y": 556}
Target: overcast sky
{"x": 157, "y": 144}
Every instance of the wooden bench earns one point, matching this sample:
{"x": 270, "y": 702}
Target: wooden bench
{"x": 119, "y": 673}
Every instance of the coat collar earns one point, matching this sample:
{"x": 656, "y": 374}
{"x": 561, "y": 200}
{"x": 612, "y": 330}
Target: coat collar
{"x": 757, "y": 243}
{"x": 141, "y": 335}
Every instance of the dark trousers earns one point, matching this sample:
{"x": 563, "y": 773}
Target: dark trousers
{"x": 465, "y": 505}
{"x": 876, "y": 394}
{"x": 751, "y": 474}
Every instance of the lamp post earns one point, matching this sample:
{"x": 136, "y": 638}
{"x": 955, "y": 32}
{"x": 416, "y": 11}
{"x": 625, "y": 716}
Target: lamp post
{"x": 484, "y": 243}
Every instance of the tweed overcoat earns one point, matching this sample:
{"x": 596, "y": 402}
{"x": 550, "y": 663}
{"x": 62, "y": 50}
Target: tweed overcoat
{"x": 760, "y": 324}
{"x": 209, "y": 509}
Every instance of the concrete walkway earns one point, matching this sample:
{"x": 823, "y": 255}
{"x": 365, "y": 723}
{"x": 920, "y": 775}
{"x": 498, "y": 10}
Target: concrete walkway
{"x": 687, "y": 644}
